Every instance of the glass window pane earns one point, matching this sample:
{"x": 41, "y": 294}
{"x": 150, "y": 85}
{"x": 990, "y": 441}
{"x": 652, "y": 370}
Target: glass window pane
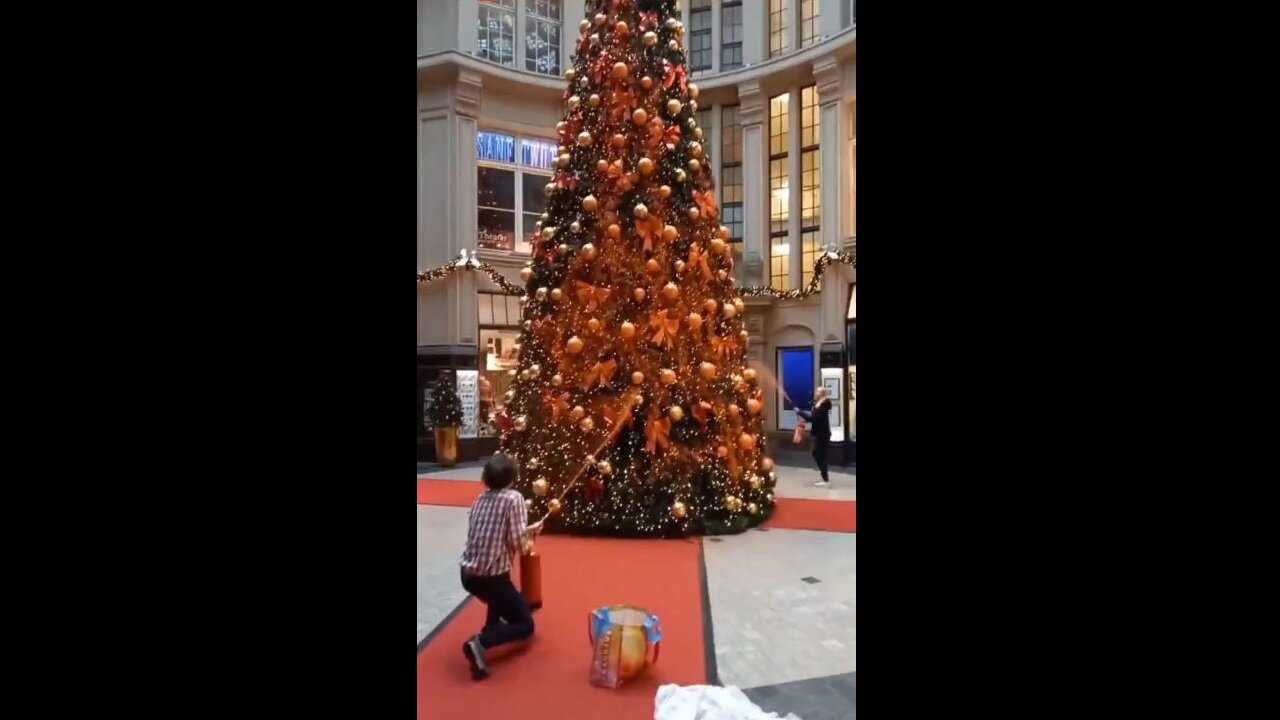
{"x": 534, "y": 194}
{"x": 495, "y": 188}
{"x": 495, "y": 229}
{"x": 485, "y": 302}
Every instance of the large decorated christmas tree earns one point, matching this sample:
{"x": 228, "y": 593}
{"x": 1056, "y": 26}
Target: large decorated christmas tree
{"x": 633, "y": 412}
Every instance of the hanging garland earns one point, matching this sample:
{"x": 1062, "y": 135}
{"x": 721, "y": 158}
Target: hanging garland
{"x": 469, "y": 262}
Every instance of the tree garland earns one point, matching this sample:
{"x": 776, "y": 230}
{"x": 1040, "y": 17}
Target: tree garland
{"x": 470, "y": 261}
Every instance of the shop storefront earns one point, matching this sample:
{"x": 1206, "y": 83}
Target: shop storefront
{"x": 851, "y": 354}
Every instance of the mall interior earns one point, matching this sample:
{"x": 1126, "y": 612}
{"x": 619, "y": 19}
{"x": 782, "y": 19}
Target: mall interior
{"x": 778, "y": 106}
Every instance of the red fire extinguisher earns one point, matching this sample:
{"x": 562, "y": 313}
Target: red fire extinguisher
{"x": 531, "y": 578}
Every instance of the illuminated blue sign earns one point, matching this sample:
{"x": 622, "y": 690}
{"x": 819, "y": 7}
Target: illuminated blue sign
{"x": 495, "y": 148}
{"x": 538, "y": 154}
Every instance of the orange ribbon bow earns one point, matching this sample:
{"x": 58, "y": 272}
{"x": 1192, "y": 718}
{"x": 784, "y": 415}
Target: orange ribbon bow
{"x": 723, "y": 346}
{"x": 559, "y": 404}
{"x": 657, "y": 432}
{"x": 601, "y": 372}
{"x": 665, "y": 328}
{"x": 655, "y": 133}
{"x": 706, "y": 203}
{"x": 649, "y": 230}
{"x": 591, "y": 295}
{"x": 698, "y": 259}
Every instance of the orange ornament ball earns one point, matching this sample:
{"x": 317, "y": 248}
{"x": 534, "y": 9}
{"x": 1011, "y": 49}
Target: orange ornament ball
{"x": 664, "y": 192}
{"x": 602, "y": 166}
{"x": 646, "y": 82}
{"x": 640, "y": 294}
{"x": 708, "y": 370}
{"x": 645, "y": 165}
{"x": 619, "y": 140}
{"x": 669, "y": 233}
{"x": 730, "y": 311}
{"x": 628, "y": 330}
{"x": 749, "y": 374}
{"x": 621, "y": 28}
{"x": 653, "y": 267}
{"x": 766, "y": 464}
{"x": 710, "y": 306}
{"x": 717, "y": 245}
{"x": 577, "y": 412}
{"x": 667, "y": 375}
{"x": 639, "y": 117}
{"x": 694, "y": 213}
{"x": 574, "y": 345}
{"x": 589, "y": 203}
{"x": 620, "y": 70}
{"x": 671, "y": 291}
{"x": 746, "y": 441}
{"x": 722, "y": 451}
{"x": 734, "y": 410}
{"x": 593, "y": 325}
{"x": 695, "y": 321}
{"x": 637, "y": 378}
{"x": 614, "y": 230}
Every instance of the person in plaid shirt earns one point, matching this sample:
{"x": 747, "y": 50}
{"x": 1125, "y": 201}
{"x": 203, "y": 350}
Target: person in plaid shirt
{"x": 495, "y": 532}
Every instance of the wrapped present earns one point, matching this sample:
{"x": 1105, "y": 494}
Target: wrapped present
{"x": 624, "y": 641}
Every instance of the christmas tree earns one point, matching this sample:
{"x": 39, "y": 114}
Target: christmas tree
{"x": 446, "y": 407}
{"x": 633, "y": 412}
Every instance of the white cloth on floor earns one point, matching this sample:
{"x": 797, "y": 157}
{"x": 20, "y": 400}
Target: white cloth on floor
{"x": 708, "y": 702}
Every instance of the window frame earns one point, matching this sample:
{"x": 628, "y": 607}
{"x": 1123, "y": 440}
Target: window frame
{"x": 727, "y": 65}
{"x": 520, "y": 244}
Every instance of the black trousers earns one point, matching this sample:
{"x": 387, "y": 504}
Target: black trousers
{"x": 820, "y": 455}
{"x": 505, "y": 603}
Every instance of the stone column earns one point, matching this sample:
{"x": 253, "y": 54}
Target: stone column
{"x": 467, "y": 108}
{"x": 827, "y": 76}
{"x": 755, "y": 181}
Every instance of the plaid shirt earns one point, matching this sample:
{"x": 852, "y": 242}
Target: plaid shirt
{"x": 495, "y": 531}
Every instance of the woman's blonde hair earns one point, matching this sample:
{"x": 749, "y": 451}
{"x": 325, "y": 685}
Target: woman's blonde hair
{"x": 820, "y": 390}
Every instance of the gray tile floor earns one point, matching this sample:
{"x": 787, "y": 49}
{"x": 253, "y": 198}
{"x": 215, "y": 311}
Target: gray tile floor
{"x": 770, "y": 626}
{"x": 441, "y": 533}
{"x": 827, "y": 698}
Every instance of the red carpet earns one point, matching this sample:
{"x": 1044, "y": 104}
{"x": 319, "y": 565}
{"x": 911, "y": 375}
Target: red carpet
{"x": 806, "y": 514}
{"x": 791, "y": 513}
{"x": 548, "y": 679}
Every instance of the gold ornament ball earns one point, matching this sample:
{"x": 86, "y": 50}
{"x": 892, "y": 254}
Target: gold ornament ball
{"x": 548, "y": 189}
{"x": 672, "y": 23}
{"x": 563, "y": 249}
{"x": 583, "y": 26}
{"x": 589, "y": 203}
{"x": 667, "y": 375}
{"x": 614, "y": 230}
{"x": 694, "y": 213}
{"x": 621, "y": 28}
{"x": 693, "y": 106}
{"x": 526, "y": 274}
{"x": 755, "y": 481}
{"x": 587, "y": 424}
{"x": 524, "y": 375}
{"x": 604, "y": 467}
{"x": 585, "y": 139}
{"x": 628, "y": 330}
{"x": 593, "y": 325}
{"x": 753, "y": 508}
{"x": 766, "y": 464}
{"x": 602, "y": 166}
{"x": 708, "y": 370}
{"x": 541, "y": 294}
{"x": 741, "y": 307}
{"x": 724, "y": 233}
{"x": 645, "y": 165}
{"x": 669, "y": 232}
{"x": 676, "y": 412}
{"x": 749, "y": 374}
{"x": 637, "y": 378}
{"x": 678, "y": 510}
{"x": 722, "y": 275}
{"x": 640, "y": 294}
{"x": 557, "y": 379}
{"x": 619, "y": 140}
{"x": 520, "y": 423}
{"x": 673, "y": 45}
{"x": 601, "y": 18}
{"x": 548, "y": 233}
{"x": 664, "y": 192}
{"x": 594, "y": 100}
{"x": 574, "y": 345}
{"x": 653, "y": 267}
{"x": 710, "y": 306}
{"x": 681, "y": 176}
{"x": 722, "y": 452}
{"x": 694, "y": 166}
{"x": 729, "y": 310}
{"x": 540, "y": 487}
{"x": 535, "y": 370}
{"x": 746, "y": 441}
{"x": 717, "y": 245}
{"x": 695, "y": 149}
{"x": 673, "y": 107}
{"x": 575, "y": 226}
{"x": 642, "y": 211}
{"x": 577, "y": 412}
{"x": 639, "y": 117}
{"x": 697, "y": 133}
{"x": 730, "y": 502}
{"x": 680, "y": 266}
{"x": 650, "y": 38}
{"x": 556, "y": 295}
{"x": 563, "y": 161}
{"x": 671, "y": 291}
{"x": 574, "y": 102}
{"x": 693, "y": 91}
{"x": 509, "y": 395}
{"x": 553, "y": 506}
{"x": 695, "y": 321}
{"x": 619, "y": 70}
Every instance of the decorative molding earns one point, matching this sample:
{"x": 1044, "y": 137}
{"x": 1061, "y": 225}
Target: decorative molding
{"x": 751, "y": 103}
{"x": 827, "y": 74}
{"x": 468, "y": 91}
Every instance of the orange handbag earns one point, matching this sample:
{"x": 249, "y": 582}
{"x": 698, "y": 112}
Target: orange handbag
{"x": 531, "y": 578}
{"x": 798, "y": 437}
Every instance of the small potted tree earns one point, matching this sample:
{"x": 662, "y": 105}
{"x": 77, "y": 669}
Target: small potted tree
{"x": 446, "y": 416}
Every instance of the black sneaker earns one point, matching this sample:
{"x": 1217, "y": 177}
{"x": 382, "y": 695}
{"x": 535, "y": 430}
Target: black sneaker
{"x": 474, "y": 653}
